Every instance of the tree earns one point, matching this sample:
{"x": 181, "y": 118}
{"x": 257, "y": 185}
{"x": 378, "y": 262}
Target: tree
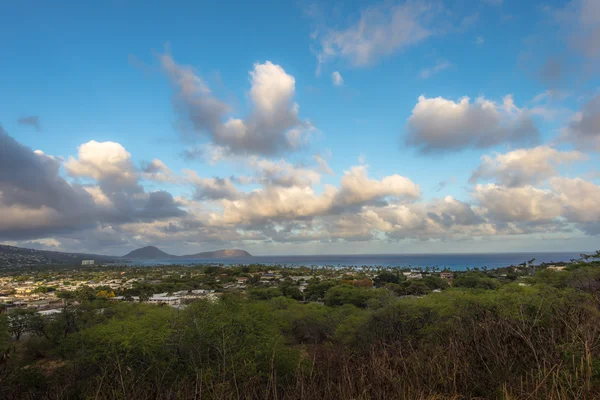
{"x": 85, "y": 293}
{"x": 359, "y": 297}
{"x": 385, "y": 277}
{"x": 19, "y": 322}
{"x": 475, "y": 280}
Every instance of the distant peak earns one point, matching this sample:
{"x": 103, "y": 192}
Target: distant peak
{"x": 148, "y": 252}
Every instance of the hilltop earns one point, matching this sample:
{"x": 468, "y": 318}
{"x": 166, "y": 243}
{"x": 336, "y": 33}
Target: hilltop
{"x": 151, "y": 253}
{"x": 226, "y": 253}
{"x": 148, "y": 252}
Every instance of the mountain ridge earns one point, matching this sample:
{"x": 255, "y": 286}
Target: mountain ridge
{"x": 152, "y": 252}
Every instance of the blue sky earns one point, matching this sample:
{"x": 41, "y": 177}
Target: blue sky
{"x": 340, "y": 126}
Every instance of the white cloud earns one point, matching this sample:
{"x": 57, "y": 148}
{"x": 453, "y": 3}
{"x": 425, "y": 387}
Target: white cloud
{"x": 337, "y": 79}
{"x": 379, "y": 32}
{"x": 581, "y": 200}
{"x": 273, "y": 125}
{"x": 274, "y": 203}
{"x": 479, "y": 40}
{"x": 524, "y": 166}
{"x": 519, "y": 204}
{"x": 103, "y": 161}
{"x": 438, "y": 124}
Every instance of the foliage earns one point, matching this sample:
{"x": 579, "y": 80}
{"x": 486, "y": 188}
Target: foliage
{"x": 485, "y": 337}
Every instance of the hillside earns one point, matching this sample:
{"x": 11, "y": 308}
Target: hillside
{"x": 227, "y": 253}
{"x": 152, "y": 253}
{"x": 148, "y": 252}
{"x": 12, "y": 256}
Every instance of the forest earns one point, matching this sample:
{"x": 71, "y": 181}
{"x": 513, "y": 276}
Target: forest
{"x": 531, "y": 337}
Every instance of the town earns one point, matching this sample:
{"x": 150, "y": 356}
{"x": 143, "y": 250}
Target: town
{"x": 45, "y": 289}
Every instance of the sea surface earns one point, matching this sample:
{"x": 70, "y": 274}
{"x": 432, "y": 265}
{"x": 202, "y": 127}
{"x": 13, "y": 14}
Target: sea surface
{"x": 451, "y": 261}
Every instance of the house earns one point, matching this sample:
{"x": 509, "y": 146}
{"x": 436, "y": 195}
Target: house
{"x": 447, "y": 275}
{"x": 414, "y": 275}
{"x": 87, "y": 262}
{"x": 162, "y": 298}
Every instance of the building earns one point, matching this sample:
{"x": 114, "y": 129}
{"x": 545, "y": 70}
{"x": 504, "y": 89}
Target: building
{"x": 87, "y": 262}
{"x": 447, "y": 275}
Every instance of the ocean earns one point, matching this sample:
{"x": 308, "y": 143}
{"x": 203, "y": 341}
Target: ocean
{"x": 455, "y": 262}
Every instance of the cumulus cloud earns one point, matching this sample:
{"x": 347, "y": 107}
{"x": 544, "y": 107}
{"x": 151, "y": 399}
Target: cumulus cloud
{"x": 117, "y": 178}
{"x": 104, "y": 162}
{"x": 32, "y": 121}
{"x": 36, "y": 202}
{"x": 34, "y": 198}
{"x": 581, "y": 200}
{"x": 519, "y": 204}
{"x": 379, "y": 32}
{"x": 524, "y": 166}
{"x": 273, "y": 126}
{"x": 584, "y": 129}
{"x": 302, "y": 202}
{"x": 337, "y": 79}
{"x": 439, "y": 124}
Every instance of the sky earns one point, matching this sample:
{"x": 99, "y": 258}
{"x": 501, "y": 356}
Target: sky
{"x": 290, "y": 128}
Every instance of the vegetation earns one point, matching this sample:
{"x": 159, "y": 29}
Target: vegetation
{"x": 490, "y": 335}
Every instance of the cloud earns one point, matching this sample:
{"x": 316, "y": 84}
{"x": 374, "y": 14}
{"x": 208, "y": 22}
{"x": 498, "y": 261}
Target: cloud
{"x": 584, "y": 129}
{"x": 572, "y": 33}
{"x": 438, "y": 124}
{"x": 156, "y": 170}
{"x": 586, "y": 35}
{"x": 323, "y": 167}
{"x": 212, "y": 188}
{"x": 437, "y": 68}
{"x": 443, "y": 184}
{"x": 104, "y": 162}
{"x": 513, "y": 205}
{"x": 32, "y": 121}
{"x": 379, "y": 32}
{"x": 273, "y": 125}
{"x": 337, "y": 79}
{"x": 581, "y": 200}
{"x": 479, "y": 40}
{"x": 34, "y": 199}
{"x": 117, "y": 178}
{"x": 280, "y": 203}
{"x": 524, "y": 166}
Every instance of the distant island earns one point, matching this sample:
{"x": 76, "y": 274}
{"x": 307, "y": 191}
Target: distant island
{"x": 153, "y": 253}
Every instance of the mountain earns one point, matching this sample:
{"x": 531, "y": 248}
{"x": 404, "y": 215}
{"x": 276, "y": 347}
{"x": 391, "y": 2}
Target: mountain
{"x": 151, "y": 253}
{"x": 148, "y": 252}
{"x": 227, "y": 253}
